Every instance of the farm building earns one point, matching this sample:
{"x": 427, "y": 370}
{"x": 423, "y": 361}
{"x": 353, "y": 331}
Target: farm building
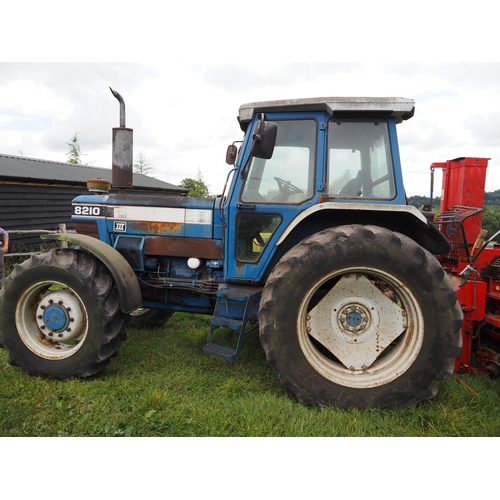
{"x": 37, "y": 194}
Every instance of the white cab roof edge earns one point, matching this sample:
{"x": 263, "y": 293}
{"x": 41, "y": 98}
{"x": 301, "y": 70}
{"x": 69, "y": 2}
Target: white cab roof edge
{"x": 398, "y": 107}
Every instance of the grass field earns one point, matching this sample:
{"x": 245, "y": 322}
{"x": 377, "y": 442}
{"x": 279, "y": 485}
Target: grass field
{"x": 161, "y": 384}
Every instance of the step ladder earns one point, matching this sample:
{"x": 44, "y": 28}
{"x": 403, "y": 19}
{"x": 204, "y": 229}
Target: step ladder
{"x": 236, "y": 306}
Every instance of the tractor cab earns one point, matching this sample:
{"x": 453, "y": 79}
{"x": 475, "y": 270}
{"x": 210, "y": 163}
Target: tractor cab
{"x": 301, "y": 160}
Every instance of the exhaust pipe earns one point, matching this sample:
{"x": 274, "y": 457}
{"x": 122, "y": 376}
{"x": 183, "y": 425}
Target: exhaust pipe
{"x": 123, "y": 161}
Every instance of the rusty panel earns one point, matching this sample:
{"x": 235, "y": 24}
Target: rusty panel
{"x": 87, "y": 227}
{"x": 184, "y": 247}
{"x": 144, "y": 227}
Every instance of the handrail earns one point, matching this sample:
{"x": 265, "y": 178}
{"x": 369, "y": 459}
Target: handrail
{"x": 62, "y": 229}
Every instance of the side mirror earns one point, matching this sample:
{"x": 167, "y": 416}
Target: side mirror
{"x": 231, "y": 153}
{"x": 264, "y": 139}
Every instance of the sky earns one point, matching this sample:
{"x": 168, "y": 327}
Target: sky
{"x": 196, "y": 63}
{"x": 184, "y": 113}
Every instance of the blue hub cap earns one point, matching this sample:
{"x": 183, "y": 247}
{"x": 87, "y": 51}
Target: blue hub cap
{"x": 56, "y": 318}
{"x": 354, "y": 319}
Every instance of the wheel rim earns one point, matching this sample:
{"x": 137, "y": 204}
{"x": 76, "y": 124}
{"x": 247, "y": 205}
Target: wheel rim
{"x": 61, "y": 320}
{"x": 141, "y": 311}
{"x": 360, "y": 327}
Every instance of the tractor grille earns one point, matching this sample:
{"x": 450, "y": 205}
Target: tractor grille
{"x": 451, "y": 224}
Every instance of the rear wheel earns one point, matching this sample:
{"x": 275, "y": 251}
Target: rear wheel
{"x": 370, "y": 319}
{"x": 60, "y": 315}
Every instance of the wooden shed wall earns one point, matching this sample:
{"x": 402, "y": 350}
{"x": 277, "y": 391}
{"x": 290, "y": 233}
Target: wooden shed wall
{"x": 25, "y": 207}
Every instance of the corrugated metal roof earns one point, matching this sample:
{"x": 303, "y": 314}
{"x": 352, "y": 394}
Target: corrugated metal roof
{"x": 21, "y": 168}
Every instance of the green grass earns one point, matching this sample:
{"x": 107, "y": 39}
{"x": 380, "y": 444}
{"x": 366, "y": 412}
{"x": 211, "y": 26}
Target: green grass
{"x": 161, "y": 384}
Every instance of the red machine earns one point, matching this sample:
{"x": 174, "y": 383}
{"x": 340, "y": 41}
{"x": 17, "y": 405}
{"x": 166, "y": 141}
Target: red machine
{"x": 473, "y": 263}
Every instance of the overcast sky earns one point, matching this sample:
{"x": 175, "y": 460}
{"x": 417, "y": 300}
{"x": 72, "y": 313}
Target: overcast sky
{"x": 184, "y": 114}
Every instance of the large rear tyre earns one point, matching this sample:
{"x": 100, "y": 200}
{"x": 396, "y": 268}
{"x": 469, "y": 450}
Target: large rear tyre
{"x": 60, "y": 315}
{"x": 360, "y": 316}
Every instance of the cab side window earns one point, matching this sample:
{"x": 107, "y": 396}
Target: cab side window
{"x": 288, "y": 177}
{"x": 359, "y": 160}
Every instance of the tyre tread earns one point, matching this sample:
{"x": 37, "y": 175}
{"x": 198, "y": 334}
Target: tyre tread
{"x": 97, "y": 279}
{"x": 343, "y": 240}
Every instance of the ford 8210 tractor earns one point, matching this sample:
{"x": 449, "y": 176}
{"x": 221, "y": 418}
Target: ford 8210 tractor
{"x": 311, "y": 242}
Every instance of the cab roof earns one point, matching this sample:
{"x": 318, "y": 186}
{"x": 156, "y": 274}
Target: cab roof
{"x": 398, "y": 107}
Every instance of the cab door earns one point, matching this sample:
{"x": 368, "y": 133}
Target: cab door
{"x": 269, "y": 193}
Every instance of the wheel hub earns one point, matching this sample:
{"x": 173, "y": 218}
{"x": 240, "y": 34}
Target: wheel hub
{"x": 354, "y": 318}
{"x": 59, "y": 316}
{"x": 56, "y": 318}
{"x": 355, "y": 321}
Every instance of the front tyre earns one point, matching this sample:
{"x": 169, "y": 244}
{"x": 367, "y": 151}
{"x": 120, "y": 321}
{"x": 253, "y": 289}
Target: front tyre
{"x": 360, "y": 316}
{"x": 60, "y": 315}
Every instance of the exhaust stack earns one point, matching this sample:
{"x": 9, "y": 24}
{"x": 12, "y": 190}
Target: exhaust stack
{"x": 122, "y": 165}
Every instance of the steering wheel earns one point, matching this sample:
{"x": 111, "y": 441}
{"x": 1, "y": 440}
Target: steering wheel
{"x": 286, "y": 189}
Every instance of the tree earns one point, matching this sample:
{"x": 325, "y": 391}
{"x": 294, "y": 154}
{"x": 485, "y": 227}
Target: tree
{"x": 74, "y": 152}
{"x": 492, "y": 199}
{"x": 196, "y": 187}
{"x": 142, "y": 165}
{"x": 419, "y": 201}
{"x": 491, "y": 220}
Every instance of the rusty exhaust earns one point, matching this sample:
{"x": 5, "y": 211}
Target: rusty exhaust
{"x": 122, "y": 164}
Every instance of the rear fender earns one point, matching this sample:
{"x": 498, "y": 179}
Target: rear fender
{"x": 126, "y": 280}
{"x": 404, "y": 219}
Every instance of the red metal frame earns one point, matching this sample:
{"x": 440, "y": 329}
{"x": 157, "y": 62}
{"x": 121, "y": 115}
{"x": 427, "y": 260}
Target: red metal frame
{"x": 479, "y": 294}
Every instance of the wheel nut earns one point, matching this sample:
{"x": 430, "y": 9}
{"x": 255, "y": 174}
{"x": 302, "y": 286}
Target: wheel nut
{"x": 60, "y": 302}
{"x": 68, "y": 329}
{"x": 39, "y": 316}
{"x": 43, "y": 327}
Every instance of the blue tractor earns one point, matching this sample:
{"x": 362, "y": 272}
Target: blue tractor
{"x": 311, "y": 242}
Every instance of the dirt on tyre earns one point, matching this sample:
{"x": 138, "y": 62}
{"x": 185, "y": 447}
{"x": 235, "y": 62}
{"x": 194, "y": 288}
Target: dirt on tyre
{"x": 60, "y": 315}
{"x": 360, "y": 316}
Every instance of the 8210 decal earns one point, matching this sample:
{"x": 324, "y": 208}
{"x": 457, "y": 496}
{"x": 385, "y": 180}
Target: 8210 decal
{"x": 87, "y": 210}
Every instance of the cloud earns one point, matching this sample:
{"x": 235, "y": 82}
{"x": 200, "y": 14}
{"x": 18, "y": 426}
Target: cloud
{"x": 184, "y": 113}
{"x": 484, "y": 129}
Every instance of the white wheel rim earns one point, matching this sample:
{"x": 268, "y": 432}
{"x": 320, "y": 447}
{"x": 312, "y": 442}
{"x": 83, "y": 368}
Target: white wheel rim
{"x": 141, "y": 311}
{"x": 389, "y": 339}
{"x": 52, "y": 320}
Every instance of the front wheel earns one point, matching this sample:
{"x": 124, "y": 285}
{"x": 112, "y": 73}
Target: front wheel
{"x": 60, "y": 315}
{"x": 360, "y": 316}
{"x": 144, "y": 318}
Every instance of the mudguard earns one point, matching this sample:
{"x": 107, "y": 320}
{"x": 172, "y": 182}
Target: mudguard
{"x": 405, "y": 219}
{"x": 126, "y": 280}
